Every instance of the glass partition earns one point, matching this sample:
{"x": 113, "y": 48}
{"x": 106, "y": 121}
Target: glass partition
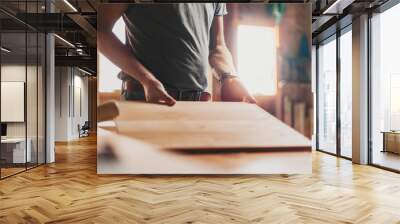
{"x": 32, "y": 94}
{"x": 327, "y": 96}
{"x": 346, "y": 93}
{"x": 22, "y": 77}
{"x": 13, "y": 86}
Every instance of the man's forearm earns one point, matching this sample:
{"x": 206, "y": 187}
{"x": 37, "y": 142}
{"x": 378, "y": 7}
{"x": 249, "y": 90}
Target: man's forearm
{"x": 221, "y": 60}
{"x": 122, "y": 57}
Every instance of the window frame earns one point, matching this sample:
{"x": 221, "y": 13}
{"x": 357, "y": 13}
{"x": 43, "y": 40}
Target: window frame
{"x": 333, "y": 37}
{"x": 381, "y": 9}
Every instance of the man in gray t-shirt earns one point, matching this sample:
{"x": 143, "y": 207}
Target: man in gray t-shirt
{"x": 168, "y": 50}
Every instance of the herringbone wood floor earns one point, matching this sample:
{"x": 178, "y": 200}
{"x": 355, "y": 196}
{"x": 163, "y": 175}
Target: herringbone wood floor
{"x": 70, "y": 191}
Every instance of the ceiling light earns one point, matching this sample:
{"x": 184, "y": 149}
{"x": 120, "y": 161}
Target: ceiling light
{"x": 79, "y": 51}
{"x": 70, "y": 5}
{"x": 337, "y": 7}
{"x": 5, "y": 50}
{"x": 84, "y": 71}
{"x": 65, "y": 41}
{"x": 326, "y": 11}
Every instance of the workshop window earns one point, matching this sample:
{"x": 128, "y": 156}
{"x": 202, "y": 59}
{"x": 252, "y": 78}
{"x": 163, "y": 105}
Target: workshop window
{"x": 108, "y": 72}
{"x": 256, "y": 54}
{"x": 119, "y": 29}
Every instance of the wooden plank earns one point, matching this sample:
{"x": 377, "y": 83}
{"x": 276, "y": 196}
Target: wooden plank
{"x": 207, "y": 127}
{"x": 186, "y": 111}
{"x": 131, "y": 156}
{"x": 212, "y": 136}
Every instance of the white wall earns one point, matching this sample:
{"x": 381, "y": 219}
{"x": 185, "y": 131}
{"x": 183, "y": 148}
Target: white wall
{"x": 9, "y": 73}
{"x": 80, "y": 96}
{"x": 61, "y": 103}
{"x": 70, "y": 83}
{"x": 16, "y": 72}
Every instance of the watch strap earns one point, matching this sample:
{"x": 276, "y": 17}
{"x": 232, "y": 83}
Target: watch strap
{"x": 224, "y": 76}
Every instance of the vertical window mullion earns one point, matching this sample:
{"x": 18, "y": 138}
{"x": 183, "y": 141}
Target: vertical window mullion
{"x": 317, "y": 97}
{"x": 369, "y": 96}
{"x": 338, "y": 91}
{"x": 37, "y": 90}
{"x": 26, "y": 86}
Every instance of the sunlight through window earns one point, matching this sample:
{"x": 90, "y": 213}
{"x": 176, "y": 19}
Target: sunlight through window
{"x": 257, "y": 59}
{"x": 108, "y": 80}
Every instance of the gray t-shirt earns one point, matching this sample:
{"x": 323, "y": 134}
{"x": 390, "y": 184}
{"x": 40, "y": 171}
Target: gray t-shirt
{"x": 172, "y": 41}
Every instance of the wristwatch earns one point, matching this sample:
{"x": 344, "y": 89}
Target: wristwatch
{"x": 226, "y": 75}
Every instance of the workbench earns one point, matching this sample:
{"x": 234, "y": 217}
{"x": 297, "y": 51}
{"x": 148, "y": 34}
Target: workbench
{"x": 199, "y": 138}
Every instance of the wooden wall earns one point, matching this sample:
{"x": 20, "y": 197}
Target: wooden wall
{"x": 292, "y": 27}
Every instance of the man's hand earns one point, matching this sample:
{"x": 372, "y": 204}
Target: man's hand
{"x": 155, "y": 93}
{"x": 233, "y": 90}
{"x": 123, "y": 57}
{"x": 221, "y": 61}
